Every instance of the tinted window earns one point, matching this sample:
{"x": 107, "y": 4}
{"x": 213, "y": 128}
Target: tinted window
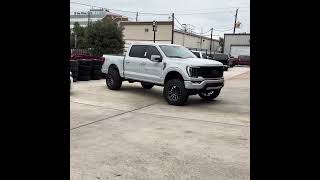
{"x": 137, "y": 51}
{"x": 204, "y": 56}
{"x": 197, "y": 54}
{"x": 151, "y": 50}
{"x": 220, "y": 56}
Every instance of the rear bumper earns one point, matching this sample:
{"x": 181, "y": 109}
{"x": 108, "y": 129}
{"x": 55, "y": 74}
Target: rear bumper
{"x": 206, "y": 84}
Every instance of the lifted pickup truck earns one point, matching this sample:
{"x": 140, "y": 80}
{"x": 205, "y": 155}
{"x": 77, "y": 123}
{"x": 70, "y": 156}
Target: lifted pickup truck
{"x": 169, "y": 65}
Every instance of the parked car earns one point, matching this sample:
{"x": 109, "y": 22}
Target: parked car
{"x": 243, "y": 60}
{"x": 169, "y": 65}
{"x": 232, "y": 61}
{"x": 200, "y": 54}
{"x": 71, "y": 81}
{"x": 223, "y": 58}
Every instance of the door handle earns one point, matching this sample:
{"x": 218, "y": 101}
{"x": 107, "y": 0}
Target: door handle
{"x": 127, "y": 62}
{"x": 143, "y": 63}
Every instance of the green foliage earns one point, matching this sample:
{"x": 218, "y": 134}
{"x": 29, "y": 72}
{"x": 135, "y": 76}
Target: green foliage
{"x": 101, "y": 37}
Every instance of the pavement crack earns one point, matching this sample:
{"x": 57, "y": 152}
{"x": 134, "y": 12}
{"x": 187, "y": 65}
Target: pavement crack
{"x": 112, "y": 116}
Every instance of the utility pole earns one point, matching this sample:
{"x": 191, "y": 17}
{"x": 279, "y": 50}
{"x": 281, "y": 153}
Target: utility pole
{"x": 137, "y": 17}
{"x": 211, "y": 41}
{"x": 235, "y": 22}
{"x": 201, "y": 39}
{"x": 172, "y": 28}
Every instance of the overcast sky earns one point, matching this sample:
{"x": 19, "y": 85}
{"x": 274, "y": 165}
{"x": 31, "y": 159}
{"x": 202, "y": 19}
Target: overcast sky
{"x": 204, "y": 14}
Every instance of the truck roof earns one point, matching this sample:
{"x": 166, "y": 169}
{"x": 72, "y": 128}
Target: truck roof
{"x": 151, "y": 43}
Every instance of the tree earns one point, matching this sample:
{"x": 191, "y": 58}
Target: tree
{"x": 104, "y": 37}
{"x": 221, "y": 43}
{"x": 80, "y": 33}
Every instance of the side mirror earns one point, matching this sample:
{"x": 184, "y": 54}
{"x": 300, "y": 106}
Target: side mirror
{"x": 156, "y": 58}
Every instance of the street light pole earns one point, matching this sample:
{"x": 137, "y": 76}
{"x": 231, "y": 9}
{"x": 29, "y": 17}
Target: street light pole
{"x": 211, "y": 41}
{"x": 154, "y": 29}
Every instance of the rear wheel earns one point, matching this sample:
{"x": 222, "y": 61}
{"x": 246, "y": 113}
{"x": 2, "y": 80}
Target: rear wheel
{"x": 175, "y": 92}
{"x": 209, "y": 95}
{"x": 147, "y": 85}
{"x": 113, "y": 79}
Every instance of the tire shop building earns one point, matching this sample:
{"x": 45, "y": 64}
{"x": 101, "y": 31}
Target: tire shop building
{"x": 143, "y": 31}
{"x": 237, "y": 44}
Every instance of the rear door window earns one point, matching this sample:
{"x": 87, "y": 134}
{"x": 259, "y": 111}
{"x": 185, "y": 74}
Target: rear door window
{"x": 138, "y": 51}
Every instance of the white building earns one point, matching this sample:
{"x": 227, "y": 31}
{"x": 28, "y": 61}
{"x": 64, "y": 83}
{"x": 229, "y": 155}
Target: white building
{"x": 143, "y": 31}
{"x": 93, "y": 15}
{"x": 237, "y": 44}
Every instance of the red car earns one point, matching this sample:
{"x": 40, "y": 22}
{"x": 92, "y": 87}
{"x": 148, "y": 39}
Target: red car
{"x": 243, "y": 60}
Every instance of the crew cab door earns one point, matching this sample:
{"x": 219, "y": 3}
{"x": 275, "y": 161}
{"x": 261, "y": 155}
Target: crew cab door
{"x": 152, "y": 70}
{"x": 132, "y": 62}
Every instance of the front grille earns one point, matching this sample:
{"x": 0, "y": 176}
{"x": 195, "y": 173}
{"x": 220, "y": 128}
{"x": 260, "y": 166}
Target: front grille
{"x": 208, "y": 72}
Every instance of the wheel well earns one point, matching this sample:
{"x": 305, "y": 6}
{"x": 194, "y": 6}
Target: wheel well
{"x": 113, "y": 66}
{"x": 173, "y": 75}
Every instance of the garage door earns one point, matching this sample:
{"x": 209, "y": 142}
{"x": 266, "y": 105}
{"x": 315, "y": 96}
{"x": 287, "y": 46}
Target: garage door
{"x": 235, "y": 51}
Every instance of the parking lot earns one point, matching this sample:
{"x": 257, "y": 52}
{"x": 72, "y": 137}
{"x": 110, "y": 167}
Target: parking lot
{"x": 134, "y": 134}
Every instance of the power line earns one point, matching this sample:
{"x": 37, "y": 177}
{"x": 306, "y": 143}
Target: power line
{"x": 178, "y": 22}
{"x": 116, "y": 9}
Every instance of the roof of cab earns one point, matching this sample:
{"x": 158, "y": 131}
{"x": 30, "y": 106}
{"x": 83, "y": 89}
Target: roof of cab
{"x": 151, "y": 43}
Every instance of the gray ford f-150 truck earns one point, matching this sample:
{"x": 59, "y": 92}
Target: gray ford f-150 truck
{"x": 169, "y": 65}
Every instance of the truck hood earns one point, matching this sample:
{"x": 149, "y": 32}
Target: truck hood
{"x": 196, "y": 62}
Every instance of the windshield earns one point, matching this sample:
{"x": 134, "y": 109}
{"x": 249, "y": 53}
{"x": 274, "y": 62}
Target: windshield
{"x": 177, "y": 51}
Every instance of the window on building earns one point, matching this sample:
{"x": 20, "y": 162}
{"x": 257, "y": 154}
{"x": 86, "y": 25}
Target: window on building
{"x": 146, "y": 30}
{"x": 137, "y": 51}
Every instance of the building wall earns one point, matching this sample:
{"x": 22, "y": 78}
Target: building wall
{"x": 194, "y": 41}
{"x": 235, "y": 39}
{"x": 136, "y": 32}
{"x": 145, "y": 33}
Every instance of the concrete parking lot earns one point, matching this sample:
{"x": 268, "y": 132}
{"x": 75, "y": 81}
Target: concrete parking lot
{"x": 134, "y": 134}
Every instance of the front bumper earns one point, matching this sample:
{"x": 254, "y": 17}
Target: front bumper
{"x": 204, "y": 84}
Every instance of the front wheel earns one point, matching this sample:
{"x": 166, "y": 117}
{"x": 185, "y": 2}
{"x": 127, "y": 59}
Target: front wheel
{"x": 175, "y": 92}
{"x": 113, "y": 79}
{"x": 209, "y": 95}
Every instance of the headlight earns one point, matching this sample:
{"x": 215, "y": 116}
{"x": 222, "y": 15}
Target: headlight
{"x": 192, "y": 71}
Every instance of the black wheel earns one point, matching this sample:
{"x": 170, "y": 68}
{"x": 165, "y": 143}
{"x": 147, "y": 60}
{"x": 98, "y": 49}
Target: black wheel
{"x": 96, "y": 67}
{"x": 113, "y": 79}
{"x": 175, "y": 92}
{"x": 85, "y": 62}
{"x": 84, "y": 78}
{"x": 85, "y": 68}
{"x": 147, "y": 85}
{"x": 84, "y": 73}
{"x": 96, "y": 74}
{"x": 209, "y": 95}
